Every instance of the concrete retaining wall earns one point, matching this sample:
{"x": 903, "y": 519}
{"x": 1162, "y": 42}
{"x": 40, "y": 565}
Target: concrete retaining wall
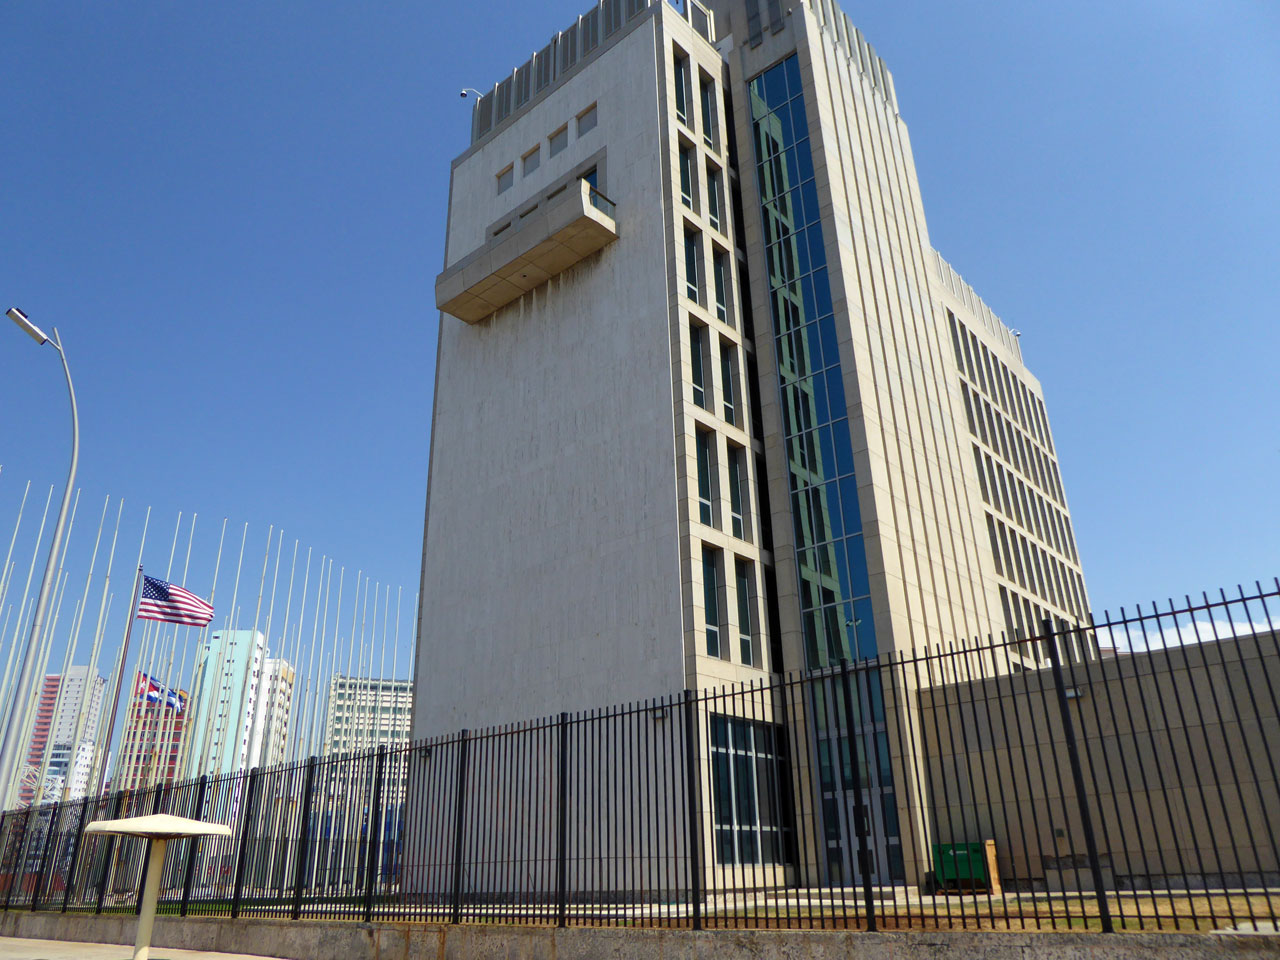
{"x": 343, "y": 940}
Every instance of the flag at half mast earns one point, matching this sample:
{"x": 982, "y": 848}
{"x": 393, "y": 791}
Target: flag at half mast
{"x": 169, "y": 603}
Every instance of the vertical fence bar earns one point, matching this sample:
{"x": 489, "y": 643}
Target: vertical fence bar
{"x": 459, "y": 821}
{"x": 1077, "y": 776}
{"x": 193, "y": 846}
{"x": 693, "y": 813}
{"x": 108, "y": 854}
{"x": 304, "y": 838}
{"x": 375, "y": 832}
{"x": 242, "y": 855}
{"x": 861, "y": 813}
{"x": 75, "y": 854}
{"x": 44, "y": 857}
{"x": 16, "y": 877}
{"x": 562, "y": 819}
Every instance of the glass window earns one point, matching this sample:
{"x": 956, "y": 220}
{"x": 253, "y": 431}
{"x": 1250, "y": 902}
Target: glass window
{"x": 711, "y": 598}
{"x": 682, "y": 88}
{"x": 592, "y": 177}
{"x": 587, "y": 120}
{"x": 698, "y": 364}
{"x": 748, "y": 774}
{"x": 686, "y": 176}
{"x": 704, "y": 443}
{"x": 720, "y": 276}
{"x": 819, "y": 450}
{"x": 738, "y": 492}
{"x": 729, "y": 381}
{"x": 558, "y": 141}
{"x": 715, "y": 199}
{"x": 710, "y": 119}
{"x": 530, "y": 161}
{"x": 746, "y": 632}
{"x": 691, "y": 258}
{"x": 506, "y": 178}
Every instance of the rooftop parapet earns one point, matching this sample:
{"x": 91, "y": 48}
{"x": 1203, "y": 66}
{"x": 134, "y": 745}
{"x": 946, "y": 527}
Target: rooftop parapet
{"x": 596, "y": 30}
{"x": 957, "y": 285}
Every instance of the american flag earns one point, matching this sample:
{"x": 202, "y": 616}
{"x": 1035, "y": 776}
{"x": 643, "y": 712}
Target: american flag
{"x": 169, "y": 603}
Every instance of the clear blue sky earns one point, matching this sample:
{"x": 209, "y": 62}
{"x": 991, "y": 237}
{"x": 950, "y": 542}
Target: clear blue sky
{"x": 234, "y": 212}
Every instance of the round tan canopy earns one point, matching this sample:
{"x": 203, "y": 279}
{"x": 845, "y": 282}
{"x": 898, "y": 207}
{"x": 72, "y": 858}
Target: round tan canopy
{"x": 159, "y": 826}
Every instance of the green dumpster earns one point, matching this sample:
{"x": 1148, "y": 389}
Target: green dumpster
{"x": 961, "y": 865}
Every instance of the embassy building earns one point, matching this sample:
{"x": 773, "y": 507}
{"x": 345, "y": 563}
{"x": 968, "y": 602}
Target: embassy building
{"x": 708, "y": 404}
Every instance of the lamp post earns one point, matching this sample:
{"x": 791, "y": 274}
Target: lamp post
{"x": 10, "y": 759}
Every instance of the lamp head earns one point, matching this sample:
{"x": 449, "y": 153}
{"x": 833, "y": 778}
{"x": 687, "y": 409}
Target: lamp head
{"x": 31, "y": 330}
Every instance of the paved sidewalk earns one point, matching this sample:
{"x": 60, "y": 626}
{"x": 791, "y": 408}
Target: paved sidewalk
{"x": 13, "y": 948}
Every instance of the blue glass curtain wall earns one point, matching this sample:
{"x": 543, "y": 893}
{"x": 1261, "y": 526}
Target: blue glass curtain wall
{"x": 831, "y": 558}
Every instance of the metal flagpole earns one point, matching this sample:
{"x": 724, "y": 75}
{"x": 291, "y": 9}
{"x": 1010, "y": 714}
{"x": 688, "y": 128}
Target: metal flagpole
{"x": 100, "y": 749}
{"x": 6, "y": 572}
{"x": 32, "y": 707}
{"x": 10, "y": 745}
{"x": 318, "y": 664}
{"x": 69, "y": 659}
{"x": 254, "y": 705}
{"x": 124, "y": 655}
{"x": 168, "y": 719}
{"x": 82, "y": 716}
{"x": 292, "y": 659}
{"x": 297, "y": 641}
{"x": 6, "y": 689}
{"x": 196, "y": 705}
{"x": 220, "y": 677}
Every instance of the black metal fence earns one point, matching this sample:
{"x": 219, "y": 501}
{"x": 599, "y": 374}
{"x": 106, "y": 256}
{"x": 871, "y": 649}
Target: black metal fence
{"x": 1120, "y": 776}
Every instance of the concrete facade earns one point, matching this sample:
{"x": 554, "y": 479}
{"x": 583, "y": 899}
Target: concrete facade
{"x": 1175, "y": 743}
{"x": 569, "y": 495}
{"x": 766, "y": 428}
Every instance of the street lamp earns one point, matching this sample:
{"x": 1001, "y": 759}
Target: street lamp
{"x": 10, "y": 758}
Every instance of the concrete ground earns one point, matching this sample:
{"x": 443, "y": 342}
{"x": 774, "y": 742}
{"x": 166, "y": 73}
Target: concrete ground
{"x": 14, "y": 948}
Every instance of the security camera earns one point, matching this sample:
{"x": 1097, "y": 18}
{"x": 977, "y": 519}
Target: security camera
{"x": 468, "y": 91}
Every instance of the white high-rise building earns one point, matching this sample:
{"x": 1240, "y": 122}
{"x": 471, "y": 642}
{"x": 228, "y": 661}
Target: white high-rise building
{"x": 271, "y": 719}
{"x": 365, "y": 712}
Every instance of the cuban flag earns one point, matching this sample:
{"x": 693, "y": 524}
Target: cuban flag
{"x": 151, "y": 691}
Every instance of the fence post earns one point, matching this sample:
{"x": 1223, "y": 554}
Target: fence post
{"x": 459, "y": 803}
{"x": 193, "y": 847}
{"x": 44, "y": 858}
{"x": 375, "y": 833}
{"x": 304, "y": 838}
{"x": 242, "y": 856}
{"x": 1077, "y": 775}
{"x": 146, "y": 861}
{"x": 562, "y": 818}
{"x": 4, "y": 842}
{"x": 75, "y": 854}
{"x": 109, "y": 853}
{"x": 17, "y": 867}
{"x": 861, "y": 816}
{"x": 693, "y": 812}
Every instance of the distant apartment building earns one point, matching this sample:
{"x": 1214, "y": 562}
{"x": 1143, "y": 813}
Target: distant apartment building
{"x": 52, "y": 752}
{"x": 269, "y": 741}
{"x": 224, "y": 700}
{"x": 365, "y": 712}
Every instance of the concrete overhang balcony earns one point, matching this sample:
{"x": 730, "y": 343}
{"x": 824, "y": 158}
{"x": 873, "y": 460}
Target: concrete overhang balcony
{"x": 563, "y": 229}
